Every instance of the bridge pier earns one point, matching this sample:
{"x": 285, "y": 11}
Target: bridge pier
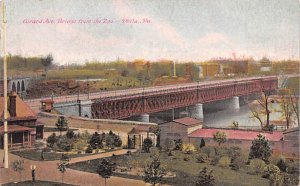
{"x": 144, "y": 118}
{"x": 234, "y": 103}
{"x": 197, "y": 111}
{"x": 231, "y": 103}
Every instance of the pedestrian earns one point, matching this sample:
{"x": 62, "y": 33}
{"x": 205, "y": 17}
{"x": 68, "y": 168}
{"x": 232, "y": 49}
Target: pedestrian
{"x": 42, "y": 155}
{"x": 33, "y": 174}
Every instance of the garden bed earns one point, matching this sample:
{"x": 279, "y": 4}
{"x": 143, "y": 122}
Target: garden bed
{"x": 186, "y": 171}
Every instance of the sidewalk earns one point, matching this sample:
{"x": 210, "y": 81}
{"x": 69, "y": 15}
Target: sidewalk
{"x": 47, "y": 170}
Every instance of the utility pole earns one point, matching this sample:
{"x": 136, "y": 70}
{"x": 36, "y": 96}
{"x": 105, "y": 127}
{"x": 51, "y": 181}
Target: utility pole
{"x": 4, "y": 85}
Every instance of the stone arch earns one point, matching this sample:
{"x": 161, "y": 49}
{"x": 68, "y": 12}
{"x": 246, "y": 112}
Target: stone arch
{"x": 13, "y": 87}
{"x": 18, "y": 87}
{"x": 22, "y": 86}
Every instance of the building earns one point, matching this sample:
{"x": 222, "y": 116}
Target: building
{"x": 23, "y": 130}
{"x": 137, "y": 136}
{"x": 240, "y": 138}
{"x": 47, "y": 105}
{"x": 178, "y": 129}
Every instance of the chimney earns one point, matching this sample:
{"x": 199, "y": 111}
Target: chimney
{"x": 12, "y": 104}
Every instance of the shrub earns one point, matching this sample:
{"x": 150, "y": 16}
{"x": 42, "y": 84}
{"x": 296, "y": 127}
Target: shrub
{"x": 186, "y": 158}
{"x": 188, "y": 148}
{"x": 260, "y": 149}
{"x": 154, "y": 151}
{"x": 281, "y": 164}
{"x": 117, "y": 141}
{"x": 221, "y": 151}
{"x": 286, "y": 180}
{"x": 234, "y": 152}
{"x": 202, "y": 143}
{"x": 237, "y": 163}
{"x": 70, "y": 134}
{"x": 89, "y": 149}
{"x": 51, "y": 140}
{"x": 205, "y": 178}
{"x": 96, "y": 141}
{"x": 220, "y": 137}
{"x": 202, "y": 158}
{"x": 79, "y": 145}
{"x": 209, "y": 151}
{"x": 178, "y": 144}
{"x": 275, "y": 179}
{"x": 224, "y": 161}
{"x": 64, "y": 144}
{"x": 257, "y": 166}
{"x": 215, "y": 160}
{"x": 270, "y": 169}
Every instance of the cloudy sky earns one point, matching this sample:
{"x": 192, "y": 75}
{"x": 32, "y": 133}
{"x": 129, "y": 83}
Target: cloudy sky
{"x": 179, "y": 30}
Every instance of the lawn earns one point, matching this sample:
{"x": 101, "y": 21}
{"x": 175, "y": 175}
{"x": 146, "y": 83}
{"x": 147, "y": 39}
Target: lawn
{"x": 48, "y": 156}
{"x": 186, "y": 171}
{"x": 37, "y": 183}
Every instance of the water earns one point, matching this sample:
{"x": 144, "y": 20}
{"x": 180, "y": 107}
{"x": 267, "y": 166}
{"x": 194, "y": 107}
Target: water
{"x": 221, "y": 118}
{"x": 225, "y": 118}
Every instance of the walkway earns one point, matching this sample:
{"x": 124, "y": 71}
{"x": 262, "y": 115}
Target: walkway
{"x": 47, "y": 170}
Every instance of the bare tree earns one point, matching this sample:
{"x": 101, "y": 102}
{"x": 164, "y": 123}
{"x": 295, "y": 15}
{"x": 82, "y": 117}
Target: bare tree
{"x": 295, "y": 106}
{"x": 263, "y": 110}
{"x": 286, "y": 110}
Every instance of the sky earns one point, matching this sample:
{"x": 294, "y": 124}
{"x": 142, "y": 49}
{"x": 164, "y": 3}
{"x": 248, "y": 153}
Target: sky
{"x": 182, "y": 30}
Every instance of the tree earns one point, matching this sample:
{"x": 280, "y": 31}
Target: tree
{"x": 205, "y": 178}
{"x": 263, "y": 110}
{"x": 220, "y": 137}
{"x": 153, "y": 172}
{"x": 61, "y": 124}
{"x": 62, "y": 166}
{"x": 70, "y": 134}
{"x": 147, "y": 144}
{"x": 106, "y": 169}
{"x": 47, "y": 62}
{"x": 18, "y": 166}
{"x": 286, "y": 110}
{"x": 51, "y": 140}
{"x": 295, "y": 106}
{"x": 96, "y": 141}
{"x": 235, "y": 125}
{"x": 260, "y": 149}
{"x": 202, "y": 143}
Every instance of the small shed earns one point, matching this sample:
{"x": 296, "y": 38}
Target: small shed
{"x": 47, "y": 105}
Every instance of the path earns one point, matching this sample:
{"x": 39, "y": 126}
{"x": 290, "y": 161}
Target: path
{"x": 47, "y": 170}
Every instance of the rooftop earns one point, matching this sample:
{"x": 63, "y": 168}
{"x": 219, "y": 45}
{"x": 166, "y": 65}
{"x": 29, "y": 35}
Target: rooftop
{"x": 237, "y": 134}
{"x": 23, "y": 111}
{"x": 15, "y": 128}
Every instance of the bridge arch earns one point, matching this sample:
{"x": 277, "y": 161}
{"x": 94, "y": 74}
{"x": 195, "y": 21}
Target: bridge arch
{"x": 18, "y": 87}
{"x": 22, "y": 86}
{"x": 13, "y": 87}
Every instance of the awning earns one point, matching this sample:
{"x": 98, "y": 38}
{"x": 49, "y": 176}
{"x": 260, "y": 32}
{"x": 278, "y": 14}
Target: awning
{"x": 15, "y": 128}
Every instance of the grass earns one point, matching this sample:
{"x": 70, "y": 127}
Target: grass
{"x": 186, "y": 171}
{"x": 35, "y": 155}
{"x": 37, "y": 183}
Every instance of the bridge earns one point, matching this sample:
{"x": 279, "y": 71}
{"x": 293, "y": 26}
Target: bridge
{"x": 141, "y": 102}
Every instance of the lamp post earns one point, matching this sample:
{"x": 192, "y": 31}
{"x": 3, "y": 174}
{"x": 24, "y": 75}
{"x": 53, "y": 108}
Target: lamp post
{"x": 4, "y": 86}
